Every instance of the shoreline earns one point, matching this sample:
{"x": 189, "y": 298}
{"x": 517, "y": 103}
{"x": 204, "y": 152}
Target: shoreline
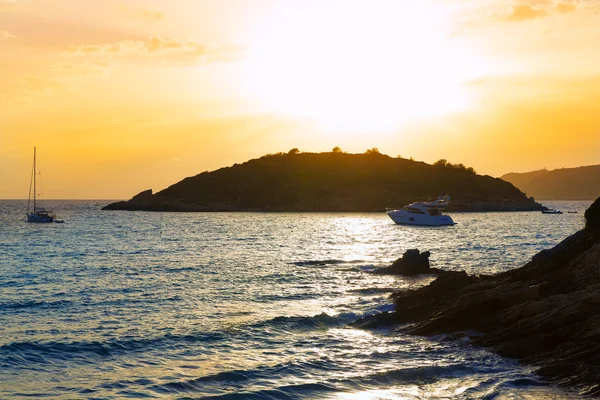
{"x": 146, "y": 201}
{"x": 545, "y": 313}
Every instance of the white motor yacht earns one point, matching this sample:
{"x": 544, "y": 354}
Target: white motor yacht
{"x": 425, "y": 214}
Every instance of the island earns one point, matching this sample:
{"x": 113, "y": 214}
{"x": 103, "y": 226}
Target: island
{"x": 332, "y": 182}
{"x": 581, "y": 183}
{"x": 546, "y": 313}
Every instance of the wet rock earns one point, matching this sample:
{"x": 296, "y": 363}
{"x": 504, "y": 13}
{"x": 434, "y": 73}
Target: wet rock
{"x": 412, "y": 262}
{"x": 592, "y": 215}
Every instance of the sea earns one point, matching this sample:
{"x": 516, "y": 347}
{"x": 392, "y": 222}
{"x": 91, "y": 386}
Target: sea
{"x": 119, "y": 305}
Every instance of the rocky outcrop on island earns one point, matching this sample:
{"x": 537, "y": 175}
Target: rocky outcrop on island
{"x": 546, "y": 313}
{"x": 582, "y": 183}
{"x": 334, "y": 181}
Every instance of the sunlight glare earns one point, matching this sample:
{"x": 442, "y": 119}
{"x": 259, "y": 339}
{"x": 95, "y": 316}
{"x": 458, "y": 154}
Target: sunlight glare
{"x": 358, "y": 65}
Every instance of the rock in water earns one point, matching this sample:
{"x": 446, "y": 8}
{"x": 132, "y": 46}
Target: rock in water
{"x": 412, "y": 262}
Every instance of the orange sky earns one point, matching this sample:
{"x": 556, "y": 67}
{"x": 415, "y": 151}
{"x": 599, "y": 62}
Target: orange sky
{"x": 122, "y": 96}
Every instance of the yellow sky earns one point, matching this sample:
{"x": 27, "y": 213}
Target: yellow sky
{"x": 125, "y": 95}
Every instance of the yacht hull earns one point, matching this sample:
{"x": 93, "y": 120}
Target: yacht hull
{"x": 401, "y": 217}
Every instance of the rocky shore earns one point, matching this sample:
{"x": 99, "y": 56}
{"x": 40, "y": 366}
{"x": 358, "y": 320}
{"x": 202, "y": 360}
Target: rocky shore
{"x": 546, "y": 313}
{"x": 146, "y": 201}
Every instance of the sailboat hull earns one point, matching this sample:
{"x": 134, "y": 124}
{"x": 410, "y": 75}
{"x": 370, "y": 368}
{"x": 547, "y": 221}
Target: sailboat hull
{"x": 39, "y": 217}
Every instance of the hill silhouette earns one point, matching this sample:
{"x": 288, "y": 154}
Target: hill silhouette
{"x": 582, "y": 183}
{"x": 333, "y": 181}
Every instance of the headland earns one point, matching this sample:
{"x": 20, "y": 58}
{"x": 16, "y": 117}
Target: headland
{"x": 332, "y": 182}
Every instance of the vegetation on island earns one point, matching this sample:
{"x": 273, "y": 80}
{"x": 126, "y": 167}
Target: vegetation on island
{"x": 332, "y": 181}
{"x": 582, "y": 183}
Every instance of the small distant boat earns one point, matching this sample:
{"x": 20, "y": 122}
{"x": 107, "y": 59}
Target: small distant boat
{"x": 38, "y": 214}
{"x": 423, "y": 213}
{"x": 551, "y": 211}
{"x": 571, "y": 212}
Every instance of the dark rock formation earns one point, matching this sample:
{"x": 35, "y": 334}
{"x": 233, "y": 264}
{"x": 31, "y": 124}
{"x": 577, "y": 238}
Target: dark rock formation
{"x": 331, "y": 182}
{"x": 546, "y": 313}
{"x": 411, "y": 263}
{"x": 592, "y": 215}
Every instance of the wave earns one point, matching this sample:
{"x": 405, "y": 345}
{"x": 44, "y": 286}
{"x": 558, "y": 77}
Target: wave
{"x": 246, "y": 380}
{"x": 175, "y": 270}
{"x": 324, "y": 262}
{"x": 303, "y": 323}
{"x": 368, "y": 291}
{"x": 196, "y": 384}
{"x": 27, "y": 352}
{"x": 19, "y": 305}
{"x": 11, "y": 284}
{"x": 268, "y": 298}
{"x": 19, "y": 354}
{"x": 370, "y": 267}
{"x": 251, "y": 376}
{"x": 319, "y": 321}
{"x": 249, "y": 384}
{"x": 288, "y": 392}
{"x": 428, "y": 373}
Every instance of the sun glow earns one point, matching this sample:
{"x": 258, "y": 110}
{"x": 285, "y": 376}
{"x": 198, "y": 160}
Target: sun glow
{"x": 359, "y": 66}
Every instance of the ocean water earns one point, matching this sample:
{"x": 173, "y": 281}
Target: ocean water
{"x": 113, "y": 305}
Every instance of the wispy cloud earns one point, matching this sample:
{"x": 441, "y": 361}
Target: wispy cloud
{"x": 522, "y": 12}
{"x": 141, "y": 13}
{"x": 156, "y": 46}
{"x": 101, "y": 58}
{"x": 60, "y": 77}
{"x": 564, "y": 8}
{"x": 5, "y": 35}
{"x": 76, "y": 71}
{"x": 11, "y": 5}
{"x": 539, "y": 9}
{"x": 24, "y": 89}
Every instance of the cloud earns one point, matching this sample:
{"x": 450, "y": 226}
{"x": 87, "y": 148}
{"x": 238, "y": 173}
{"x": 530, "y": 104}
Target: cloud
{"x": 5, "y": 35}
{"x": 158, "y": 47}
{"x": 87, "y": 69}
{"x": 141, "y": 13}
{"x": 60, "y": 77}
{"x": 540, "y": 8}
{"x": 11, "y": 5}
{"x": 22, "y": 90}
{"x": 522, "y": 12}
{"x": 565, "y": 8}
{"x": 39, "y": 84}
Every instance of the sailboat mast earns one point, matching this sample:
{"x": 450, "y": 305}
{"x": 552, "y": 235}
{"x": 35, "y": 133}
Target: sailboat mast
{"x": 34, "y": 179}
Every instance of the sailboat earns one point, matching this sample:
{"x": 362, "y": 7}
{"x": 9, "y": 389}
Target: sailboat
{"x": 38, "y": 214}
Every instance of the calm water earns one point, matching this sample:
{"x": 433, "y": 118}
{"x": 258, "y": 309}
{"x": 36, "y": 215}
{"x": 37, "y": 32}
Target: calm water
{"x": 115, "y": 305}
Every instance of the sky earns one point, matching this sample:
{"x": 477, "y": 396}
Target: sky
{"x": 120, "y": 96}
